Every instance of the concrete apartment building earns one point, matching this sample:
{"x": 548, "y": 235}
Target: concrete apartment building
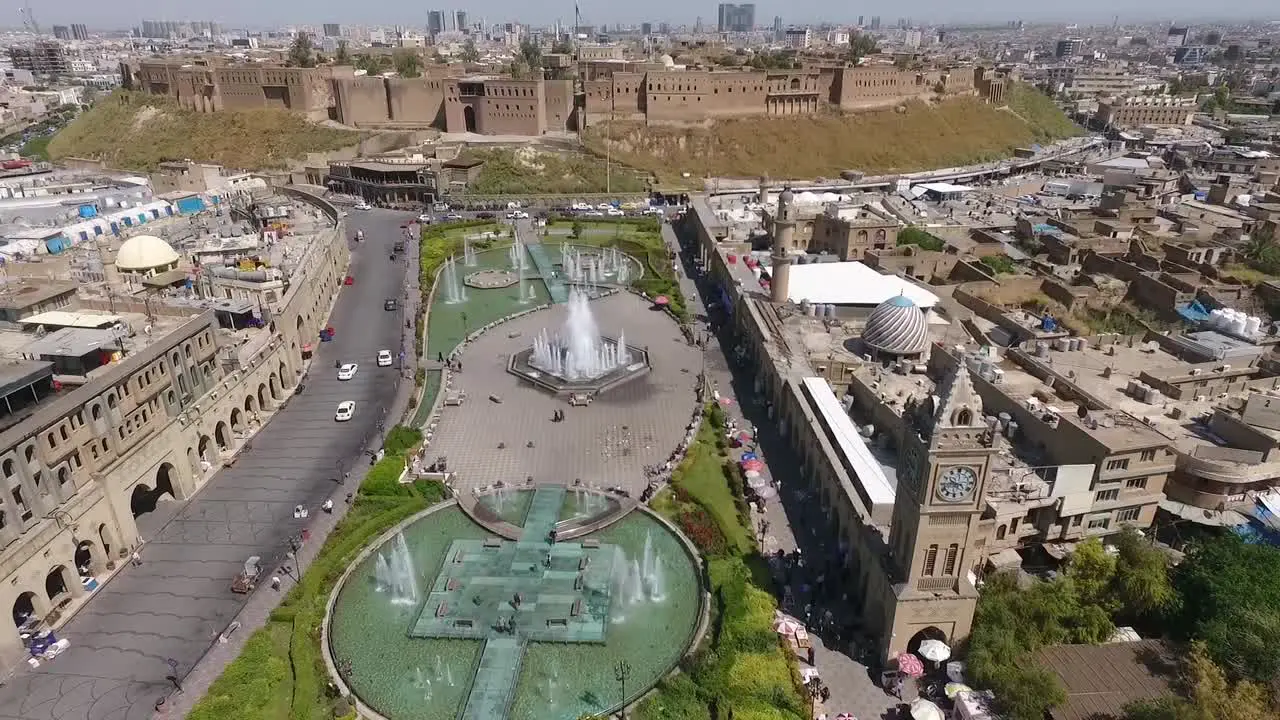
{"x": 1137, "y": 111}
{"x": 496, "y": 105}
{"x": 101, "y": 424}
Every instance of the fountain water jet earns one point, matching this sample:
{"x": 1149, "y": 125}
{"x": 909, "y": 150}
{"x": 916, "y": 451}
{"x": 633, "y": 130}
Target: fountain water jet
{"x": 578, "y": 351}
{"x": 468, "y": 253}
{"x": 395, "y": 575}
{"x": 454, "y": 291}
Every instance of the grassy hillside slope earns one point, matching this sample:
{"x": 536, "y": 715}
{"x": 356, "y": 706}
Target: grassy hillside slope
{"x": 136, "y": 132}
{"x": 954, "y": 133}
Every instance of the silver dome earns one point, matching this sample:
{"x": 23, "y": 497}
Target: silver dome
{"x": 898, "y": 327}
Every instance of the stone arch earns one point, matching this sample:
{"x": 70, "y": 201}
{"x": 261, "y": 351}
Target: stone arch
{"x": 27, "y": 605}
{"x": 795, "y": 83}
{"x": 105, "y": 536}
{"x": 301, "y": 334}
{"x": 64, "y": 476}
{"x": 89, "y": 557}
{"x": 929, "y": 633}
{"x": 469, "y": 119}
{"x": 273, "y": 382}
{"x": 8, "y": 467}
{"x": 1000, "y": 532}
{"x": 144, "y": 498}
{"x": 56, "y": 584}
{"x": 264, "y": 397}
{"x": 236, "y": 420}
{"x": 251, "y": 403}
{"x": 222, "y": 434}
{"x": 203, "y": 448}
{"x": 963, "y": 418}
{"x": 880, "y": 235}
{"x": 193, "y": 461}
{"x": 285, "y": 377}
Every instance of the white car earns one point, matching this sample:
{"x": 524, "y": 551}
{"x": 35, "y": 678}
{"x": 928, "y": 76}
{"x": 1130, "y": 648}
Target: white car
{"x": 603, "y": 206}
{"x": 346, "y": 410}
{"x": 364, "y": 206}
{"x": 347, "y": 371}
{"x": 593, "y": 213}
{"x": 614, "y": 212}
{"x": 384, "y": 358}
{"x": 518, "y": 215}
{"x": 424, "y": 218}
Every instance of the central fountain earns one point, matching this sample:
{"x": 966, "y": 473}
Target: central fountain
{"x": 578, "y": 358}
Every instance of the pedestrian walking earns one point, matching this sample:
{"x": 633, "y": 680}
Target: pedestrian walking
{"x": 136, "y": 559}
{"x": 275, "y": 582}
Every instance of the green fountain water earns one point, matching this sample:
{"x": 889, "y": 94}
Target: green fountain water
{"x": 489, "y": 629}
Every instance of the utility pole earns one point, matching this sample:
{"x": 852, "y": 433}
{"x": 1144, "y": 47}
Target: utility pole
{"x": 622, "y": 671}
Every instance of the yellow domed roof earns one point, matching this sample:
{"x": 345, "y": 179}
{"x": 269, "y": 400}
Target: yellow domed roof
{"x": 145, "y": 252}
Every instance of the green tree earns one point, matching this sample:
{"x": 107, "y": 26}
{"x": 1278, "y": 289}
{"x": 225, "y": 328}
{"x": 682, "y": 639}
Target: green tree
{"x": 860, "y": 46}
{"x": 469, "y": 52}
{"x": 301, "y": 52}
{"x": 531, "y": 53}
{"x": 1207, "y": 694}
{"x": 1229, "y": 589}
{"x": 407, "y": 63}
{"x": 1142, "y": 585}
{"x": 576, "y": 230}
{"x": 1092, "y": 570}
{"x": 343, "y": 56}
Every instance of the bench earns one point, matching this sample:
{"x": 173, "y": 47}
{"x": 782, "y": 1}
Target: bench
{"x": 493, "y": 543}
{"x": 576, "y": 610}
{"x": 457, "y": 558}
{"x": 463, "y": 623}
{"x": 578, "y": 582}
{"x": 590, "y": 544}
{"x": 452, "y": 584}
{"x": 442, "y": 609}
{"x": 583, "y": 563}
{"x": 558, "y": 622}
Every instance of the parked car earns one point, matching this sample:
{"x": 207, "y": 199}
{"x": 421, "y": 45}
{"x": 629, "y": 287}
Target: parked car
{"x": 614, "y": 212}
{"x": 384, "y": 358}
{"x": 363, "y": 206}
{"x": 425, "y": 219}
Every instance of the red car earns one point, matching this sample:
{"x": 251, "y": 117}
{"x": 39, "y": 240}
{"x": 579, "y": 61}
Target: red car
{"x": 349, "y": 281}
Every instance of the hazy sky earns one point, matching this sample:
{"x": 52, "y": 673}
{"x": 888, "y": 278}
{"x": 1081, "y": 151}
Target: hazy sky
{"x": 257, "y": 13}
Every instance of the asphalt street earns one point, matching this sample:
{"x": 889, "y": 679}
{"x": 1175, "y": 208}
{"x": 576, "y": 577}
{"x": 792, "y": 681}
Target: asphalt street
{"x": 159, "y": 618}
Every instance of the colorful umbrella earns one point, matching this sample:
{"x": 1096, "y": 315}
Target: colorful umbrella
{"x": 953, "y": 689}
{"x": 910, "y": 665}
{"x": 766, "y": 493}
{"x": 934, "y": 650}
{"x": 922, "y": 709}
{"x": 845, "y": 716}
{"x": 661, "y": 300}
{"x": 754, "y": 464}
{"x": 749, "y": 456}
{"x": 757, "y": 482}
{"x": 787, "y": 626}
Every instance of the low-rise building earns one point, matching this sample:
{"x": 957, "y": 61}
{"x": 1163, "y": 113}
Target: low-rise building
{"x": 1143, "y": 110}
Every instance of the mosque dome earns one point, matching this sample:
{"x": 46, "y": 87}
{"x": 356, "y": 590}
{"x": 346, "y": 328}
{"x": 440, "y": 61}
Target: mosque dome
{"x": 898, "y": 327}
{"x": 145, "y": 252}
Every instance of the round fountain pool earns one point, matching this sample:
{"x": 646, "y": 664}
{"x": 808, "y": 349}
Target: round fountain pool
{"x": 413, "y": 619}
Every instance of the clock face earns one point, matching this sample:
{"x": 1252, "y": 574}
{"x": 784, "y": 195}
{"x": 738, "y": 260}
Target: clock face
{"x": 957, "y": 484}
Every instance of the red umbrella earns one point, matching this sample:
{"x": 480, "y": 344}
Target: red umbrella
{"x": 661, "y": 300}
{"x": 910, "y": 665}
{"x": 753, "y": 465}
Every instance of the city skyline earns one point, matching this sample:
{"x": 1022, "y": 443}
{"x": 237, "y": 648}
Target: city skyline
{"x": 240, "y": 13}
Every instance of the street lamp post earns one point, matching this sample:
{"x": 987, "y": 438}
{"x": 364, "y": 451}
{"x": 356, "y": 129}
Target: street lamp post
{"x": 622, "y": 671}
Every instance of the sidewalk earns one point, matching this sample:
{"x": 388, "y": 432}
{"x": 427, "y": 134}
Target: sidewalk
{"x": 804, "y": 584}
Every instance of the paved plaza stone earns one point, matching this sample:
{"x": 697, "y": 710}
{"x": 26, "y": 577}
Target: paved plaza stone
{"x": 606, "y": 444}
{"x": 174, "y": 605}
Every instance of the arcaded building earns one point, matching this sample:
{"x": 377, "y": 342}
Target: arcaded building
{"x": 100, "y": 425}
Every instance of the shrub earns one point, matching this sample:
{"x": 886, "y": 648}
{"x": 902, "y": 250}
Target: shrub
{"x": 703, "y": 531}
{"x": 384, "y": 478}
{"x": 401, "y": 439}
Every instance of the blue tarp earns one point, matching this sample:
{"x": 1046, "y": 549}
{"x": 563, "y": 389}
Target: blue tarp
{"x": 1194, "y": 312}
{"x": 188, "y": 205}
{"x": 57, "y": 244}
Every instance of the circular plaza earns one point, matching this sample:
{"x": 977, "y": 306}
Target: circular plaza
{"x": 546, "y": 591}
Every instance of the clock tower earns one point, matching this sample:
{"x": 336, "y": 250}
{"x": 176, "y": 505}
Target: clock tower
{"x": 934, "y": 540}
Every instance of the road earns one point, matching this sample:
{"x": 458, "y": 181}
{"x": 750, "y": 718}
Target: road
{"x": 176, "y": 603}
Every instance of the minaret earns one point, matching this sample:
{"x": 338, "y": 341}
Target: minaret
{"x": 784, "y": 236}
